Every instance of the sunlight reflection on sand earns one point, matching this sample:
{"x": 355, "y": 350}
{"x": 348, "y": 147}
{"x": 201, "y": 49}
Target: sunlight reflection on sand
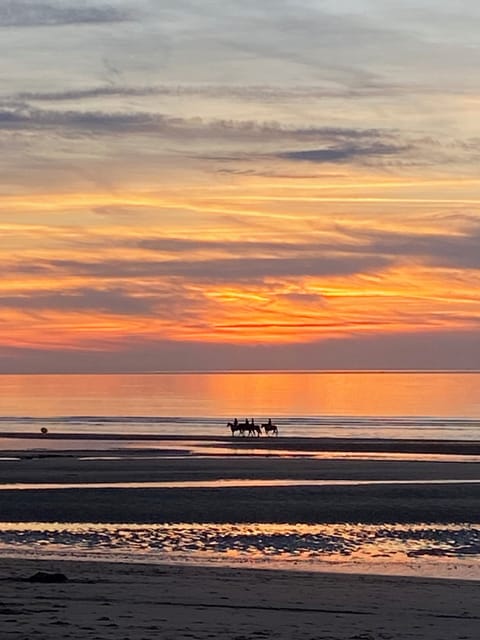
{"x": 416, "y": 549}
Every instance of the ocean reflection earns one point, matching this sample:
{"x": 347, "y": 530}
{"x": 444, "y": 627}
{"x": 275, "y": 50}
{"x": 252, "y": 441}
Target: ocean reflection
{"x": 98, "y": 449}
{"x": 402, "y": 549}
{"x": 222, "y": 484}
{"x": 228, "y": 394}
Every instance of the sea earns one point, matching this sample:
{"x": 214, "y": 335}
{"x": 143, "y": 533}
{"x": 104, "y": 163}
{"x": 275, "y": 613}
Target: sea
{"x": 393, "y": 405}
{"x": 440, "y": 405}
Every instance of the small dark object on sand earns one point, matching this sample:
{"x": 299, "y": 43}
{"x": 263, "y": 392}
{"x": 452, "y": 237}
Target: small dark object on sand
{"x": 43, "y": 576}
{"x": 44, "y": 430}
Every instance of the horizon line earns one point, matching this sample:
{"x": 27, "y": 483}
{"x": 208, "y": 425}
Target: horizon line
{"x": 235, "y": 371}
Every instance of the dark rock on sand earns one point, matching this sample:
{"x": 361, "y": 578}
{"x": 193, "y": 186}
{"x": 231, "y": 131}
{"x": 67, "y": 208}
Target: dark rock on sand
{"x": 43, "y": 576}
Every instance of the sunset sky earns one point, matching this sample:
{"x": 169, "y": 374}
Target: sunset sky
{"x": 268, "y": 184}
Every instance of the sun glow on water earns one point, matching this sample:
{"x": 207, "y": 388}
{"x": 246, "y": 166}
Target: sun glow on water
{"x": 243, "y": 394}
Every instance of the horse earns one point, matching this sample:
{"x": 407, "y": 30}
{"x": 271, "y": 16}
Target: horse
{"x": 270, "y": 428}
{"x": 236, "y": 426}
{"x": 254, "y": 429}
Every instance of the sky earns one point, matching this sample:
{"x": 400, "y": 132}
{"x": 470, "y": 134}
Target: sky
{"x": 210, "y": 184}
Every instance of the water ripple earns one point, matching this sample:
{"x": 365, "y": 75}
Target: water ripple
{"x": 274, "y": 544}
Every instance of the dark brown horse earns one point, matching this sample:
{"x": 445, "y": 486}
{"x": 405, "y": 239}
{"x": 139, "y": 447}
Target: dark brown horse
{"x": 254, "y": 429}
{"x": 236, "y": 427}
{"x": 270, "y": 428}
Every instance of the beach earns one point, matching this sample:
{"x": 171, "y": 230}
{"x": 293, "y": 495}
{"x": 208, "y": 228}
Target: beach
{"x": 143, "y": 485}
{"x": 105, "y": 601}
{"x": 158, "y": 577}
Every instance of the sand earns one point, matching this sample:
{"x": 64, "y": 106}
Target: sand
{"x": 146, "y": 602}
{"x": 367, "y": 504}
{"x": 312, "y": 504}
{"x": 103, "y": 601}
{"x": 267, "y": 444}
{"x": 149, "y": 466}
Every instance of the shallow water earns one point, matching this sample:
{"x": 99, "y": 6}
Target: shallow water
{"x": 311, "y": 426}
{"x": 418, "y": 549}
{"x": 219, "y": 484}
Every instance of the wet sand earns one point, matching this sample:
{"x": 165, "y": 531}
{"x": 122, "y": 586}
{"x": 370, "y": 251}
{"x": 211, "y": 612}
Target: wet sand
{"x": 150, "y": 466}
{"x": 103, "y": 601}
{"x": 367, "y": 504}
{"x": 128, "y": 602}
{"x": 236, "y": 444}
{"x": 289, "y": 504}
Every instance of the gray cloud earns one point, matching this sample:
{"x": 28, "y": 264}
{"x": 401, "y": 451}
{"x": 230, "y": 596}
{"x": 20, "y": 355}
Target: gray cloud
{"x": 21, "y": 13}
{"x": 90, "y": 93}
{"x": 238, "y": 269}
{"x": 457, "y": 250}
{"x": 112, "y": 301}
{"x": 342, "y": 153}
{"x": 26, "y": 118}
{"x": 230, "y": 247}
{"x": 452, "y": 250}
{"x": 152, "y": 300}
{"x": 265, "y": 173}
{"x": 248, "y": 93}
{"x": 341, "y": 143}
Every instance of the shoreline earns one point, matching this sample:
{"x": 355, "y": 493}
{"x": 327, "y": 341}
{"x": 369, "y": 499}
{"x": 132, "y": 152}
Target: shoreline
{"x": 110, "y": 601}
{"x": 272, "y": 443}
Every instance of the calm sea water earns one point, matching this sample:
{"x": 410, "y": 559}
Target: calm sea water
{"x": 352, "y": 404}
